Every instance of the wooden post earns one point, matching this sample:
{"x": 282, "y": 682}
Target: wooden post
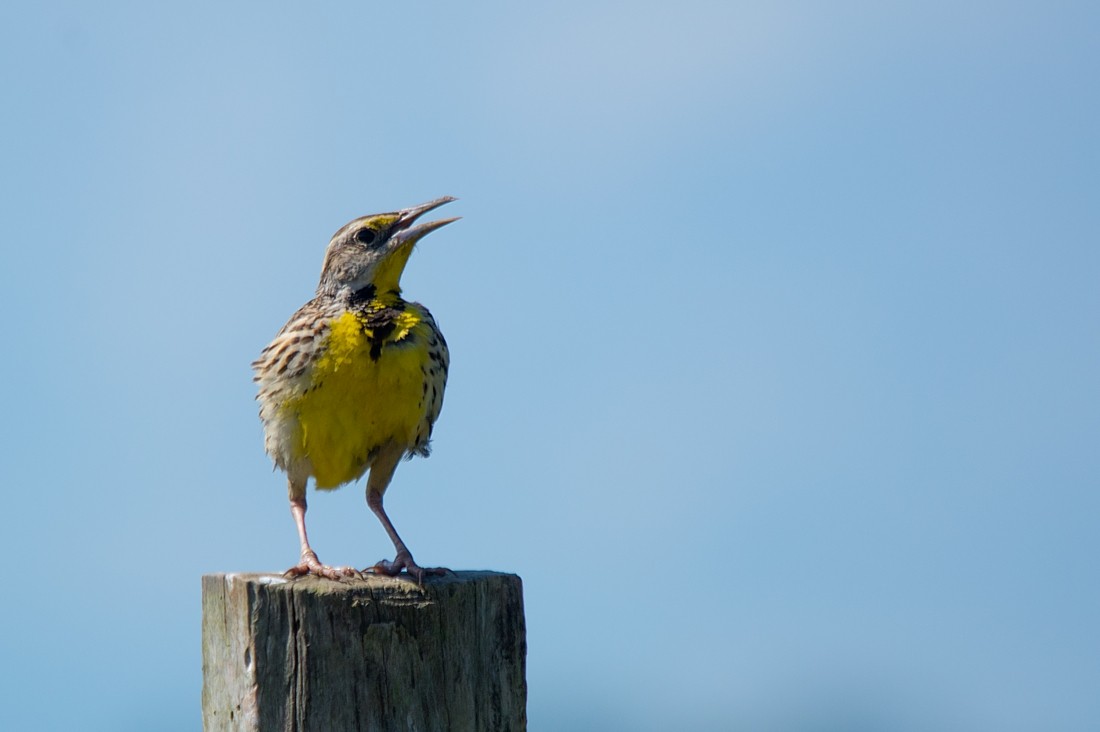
{"x": 312, "y": 655}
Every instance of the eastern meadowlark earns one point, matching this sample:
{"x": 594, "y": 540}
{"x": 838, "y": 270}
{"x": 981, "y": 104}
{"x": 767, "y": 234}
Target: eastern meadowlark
{"x": 354, "y": 381}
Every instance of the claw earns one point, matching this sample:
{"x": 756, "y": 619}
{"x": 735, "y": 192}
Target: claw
{"x": 404, "y": 561}
{"x": 311, "y": 565}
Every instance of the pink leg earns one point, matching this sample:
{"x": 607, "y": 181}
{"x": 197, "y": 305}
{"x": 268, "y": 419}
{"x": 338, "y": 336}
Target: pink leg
{"x": 404, "y": 559}
{"x": 309, "y": 563}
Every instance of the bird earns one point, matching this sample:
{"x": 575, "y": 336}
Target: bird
{"x": 354, "y": 381}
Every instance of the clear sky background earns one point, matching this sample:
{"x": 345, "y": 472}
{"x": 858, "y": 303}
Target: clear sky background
{"x": 774, "y": 335}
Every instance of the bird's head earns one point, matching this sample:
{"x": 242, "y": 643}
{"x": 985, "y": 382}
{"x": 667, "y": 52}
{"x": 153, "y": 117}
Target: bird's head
{"x": 372, "y": 250}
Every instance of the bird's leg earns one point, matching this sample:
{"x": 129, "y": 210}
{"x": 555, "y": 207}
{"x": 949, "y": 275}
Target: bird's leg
{"x": 404, "y": 559}
{"x": 309, "y": 564}
{"x": 376, "y": 486}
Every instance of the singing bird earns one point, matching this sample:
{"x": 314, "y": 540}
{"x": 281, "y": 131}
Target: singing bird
{"x": 354, "y": 380}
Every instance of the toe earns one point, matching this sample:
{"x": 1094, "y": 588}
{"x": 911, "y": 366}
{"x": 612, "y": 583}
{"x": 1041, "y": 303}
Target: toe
{"x": 311, "y": 565}
{"x": 386, "y": 567}
{"x": 405, "y": 562}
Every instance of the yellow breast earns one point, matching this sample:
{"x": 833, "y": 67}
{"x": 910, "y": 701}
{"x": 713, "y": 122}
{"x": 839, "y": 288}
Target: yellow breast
{"x": 361, "y": 396}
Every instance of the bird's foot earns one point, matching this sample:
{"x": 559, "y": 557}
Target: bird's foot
{"x": 404, "y": 561}
{"x": 311, "y": 565}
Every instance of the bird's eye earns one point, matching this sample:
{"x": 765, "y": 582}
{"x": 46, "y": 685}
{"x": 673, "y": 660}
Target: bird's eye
{"x": 365, "y": 236}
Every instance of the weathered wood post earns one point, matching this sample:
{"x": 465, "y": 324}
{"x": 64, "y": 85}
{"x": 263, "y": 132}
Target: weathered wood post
{"x": 312, "y": 655}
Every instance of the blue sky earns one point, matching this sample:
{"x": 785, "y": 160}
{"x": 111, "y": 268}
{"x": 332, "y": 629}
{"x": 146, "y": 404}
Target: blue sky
{"x": 773, "y": 332}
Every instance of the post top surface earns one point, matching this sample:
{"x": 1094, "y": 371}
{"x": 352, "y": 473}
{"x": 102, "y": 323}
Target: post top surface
{"x": 402, "y": 582}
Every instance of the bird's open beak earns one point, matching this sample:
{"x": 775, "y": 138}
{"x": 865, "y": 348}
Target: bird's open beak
{"x": 405, "y": 232}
